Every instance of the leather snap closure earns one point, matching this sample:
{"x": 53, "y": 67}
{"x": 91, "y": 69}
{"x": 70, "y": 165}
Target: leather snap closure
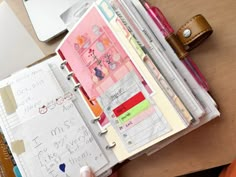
{"x": 194, "y": 32}
{"x": 187, "y": 33}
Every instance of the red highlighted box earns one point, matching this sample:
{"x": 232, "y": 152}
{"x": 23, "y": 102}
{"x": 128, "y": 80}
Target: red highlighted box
{"x": 133, "y": 101}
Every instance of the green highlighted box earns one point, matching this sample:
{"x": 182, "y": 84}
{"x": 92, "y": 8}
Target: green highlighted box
{"x": 134, "y": 111}
{"x": 137, "y": 48}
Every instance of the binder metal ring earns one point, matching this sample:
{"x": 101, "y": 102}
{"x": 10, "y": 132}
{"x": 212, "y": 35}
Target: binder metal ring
{"x": 95, "y": 120}
{"x": 103, "y": 132}
{"x": 111, "y": 146}
{"x": 77, "y": 86}
{"x": 70, "y": 75}
{"x": 63, "y": 64}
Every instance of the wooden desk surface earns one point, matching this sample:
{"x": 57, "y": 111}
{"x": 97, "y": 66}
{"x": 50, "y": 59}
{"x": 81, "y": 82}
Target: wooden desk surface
{"x": 213, "y": 144}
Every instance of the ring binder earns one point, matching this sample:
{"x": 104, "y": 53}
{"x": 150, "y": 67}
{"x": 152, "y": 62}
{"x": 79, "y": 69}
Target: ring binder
{"x": 70, "y": 75}
{"x": 111, "y": 146}
{"x": 63, "y": 64}
{"x": 95, "y": 120}
{"x": 78, "y": 85}
{"x": 103, "y": 132}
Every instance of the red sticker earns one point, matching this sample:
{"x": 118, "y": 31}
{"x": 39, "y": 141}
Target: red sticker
{"x": 133, "y": 101}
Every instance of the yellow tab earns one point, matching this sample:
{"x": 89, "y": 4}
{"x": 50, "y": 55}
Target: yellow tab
{"x": 18, "y": 147}
{"x": 8, "y": 99}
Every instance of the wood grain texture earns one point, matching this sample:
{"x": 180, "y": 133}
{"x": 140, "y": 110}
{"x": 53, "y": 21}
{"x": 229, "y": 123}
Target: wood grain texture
{"x": 213, "y": 144}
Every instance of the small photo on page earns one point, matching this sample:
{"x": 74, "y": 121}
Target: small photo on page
{"x": 75, "y": 12}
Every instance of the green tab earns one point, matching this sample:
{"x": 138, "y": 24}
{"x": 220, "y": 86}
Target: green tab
{"x": 134, "y": 111}
{"x": 137, "y": 48}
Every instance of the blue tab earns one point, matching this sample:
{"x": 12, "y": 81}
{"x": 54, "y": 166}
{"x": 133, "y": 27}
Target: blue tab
{"x": 106, "y": 10}
{"x": 16, "y": 171}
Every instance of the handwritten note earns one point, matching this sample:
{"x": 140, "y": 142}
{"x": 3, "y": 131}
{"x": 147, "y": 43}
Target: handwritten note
{"x": 59, "y": 143}
{"x": 139, "y": 124}
{"x": 34, "y": 87}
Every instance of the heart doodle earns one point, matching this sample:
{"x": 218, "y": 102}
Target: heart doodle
{"x": 62, "y": 167}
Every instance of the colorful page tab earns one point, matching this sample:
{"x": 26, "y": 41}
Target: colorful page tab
{"x": 134, "y": 111}
{"x": 129, "y": 104}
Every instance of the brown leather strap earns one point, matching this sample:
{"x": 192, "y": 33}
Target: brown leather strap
{"x": 194, "y": 32}
{"x": 177, "y": 46}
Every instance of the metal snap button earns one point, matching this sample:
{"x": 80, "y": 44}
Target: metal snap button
{"x": 187, "y": 33}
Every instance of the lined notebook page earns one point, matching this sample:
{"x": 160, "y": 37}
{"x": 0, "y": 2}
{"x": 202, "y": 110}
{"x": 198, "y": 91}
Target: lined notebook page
{"x": 7, "y": 122}
{"x": 33, "y": 88}
{"x": 61, "y": 75}
{"x": 58, "y": 143}
{"x": 55, "y": 138}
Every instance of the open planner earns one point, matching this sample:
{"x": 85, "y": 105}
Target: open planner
{"x": 105, "y": 96}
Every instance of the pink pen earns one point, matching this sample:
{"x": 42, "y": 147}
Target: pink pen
{"x": 167, "y": 30}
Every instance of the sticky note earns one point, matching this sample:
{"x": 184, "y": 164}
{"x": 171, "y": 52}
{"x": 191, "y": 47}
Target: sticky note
{"x": 134, "y": 111}
{"x": 139, "y": 97}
